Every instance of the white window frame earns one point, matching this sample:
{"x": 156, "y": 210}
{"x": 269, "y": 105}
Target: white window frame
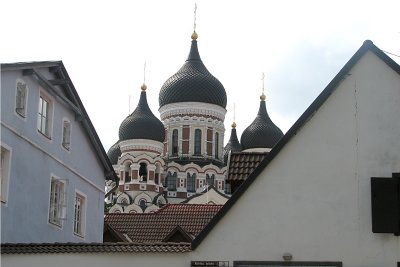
{"x": 79, "y": 220}
{"x": 57, "y": 201}
{"x": 48, "y": 117}
{"x": 66, "y": 134}
{"x": 5, "y": 167}
{"x": 21, "y": 104}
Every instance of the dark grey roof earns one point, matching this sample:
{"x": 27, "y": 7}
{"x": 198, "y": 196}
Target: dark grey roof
{"x": 70, "y": 98}
{"x": 52, "y": 248}
{"x": 232, "y": 145}
{"x": 113, "y": 153}
{"x": 306, "y": 116}
{"x": 142, "y": 124}
{"x": 193, "y": 83}
{"x": 262, "y": 132}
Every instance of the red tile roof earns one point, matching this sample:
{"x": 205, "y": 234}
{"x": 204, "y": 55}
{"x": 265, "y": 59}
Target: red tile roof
{"x": 50, "y": 248}
{"x": 241, "y": 164}
{"x": 155, "y": 227}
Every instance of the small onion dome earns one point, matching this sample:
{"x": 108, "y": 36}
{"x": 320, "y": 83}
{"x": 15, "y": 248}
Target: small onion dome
{"x": 142, "y": 124}
{"x": 113, "y": 153}
{"x": 262, "y": 132}
{"x": 233, "y": 144}
{"x": 193, "y": 83}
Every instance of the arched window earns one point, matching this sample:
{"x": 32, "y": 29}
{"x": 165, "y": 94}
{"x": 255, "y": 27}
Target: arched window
{"x": 158, "y": 174}
{"x": 143, "y": 204}
{"x": 175, "y": 147}
{"x": 171, "y": 181}
{"x": 216, "y": 145}
{"x": 191, "y": 182}
{"x": 197, "y": 142}
{"x": 143, "y": 172}
{"x": 210, "y": 179}
{"x": 127, "y": 172}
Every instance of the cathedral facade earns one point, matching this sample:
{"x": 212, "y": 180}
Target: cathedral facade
{"x": 181, "y": 155}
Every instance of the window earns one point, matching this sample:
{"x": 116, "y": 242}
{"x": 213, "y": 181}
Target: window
{"x": 143, "y": 172}
{"x": 191, "y": 182}
{"x": 175, "y": 147}
{"x": 20, "y": 99}
{"x": 171, "y": 181}
{"x": 197, "y": 142}
{"x": 127, "y": 172}
{"x": 216, "y": 145}
{"x": 44, "y": 119}
{"x": 143, "y": 204}
{"x": 57, "y": 210}
{"x": 66, "y": 134}
{"x": 4, "y": 173}
{"x": 157, "y": 174}
{"x": 79, "y": 214}
{"x": 210, "y": 179}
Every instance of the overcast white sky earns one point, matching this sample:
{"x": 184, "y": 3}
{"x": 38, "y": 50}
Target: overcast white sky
{"x": 300, "y": 45}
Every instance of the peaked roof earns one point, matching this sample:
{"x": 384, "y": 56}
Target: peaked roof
{"x": 262, "y": 132}
{"x": 367, "y": 46}
{"x": 233, "y": 144}
{"x": 69, "y": 97}
{"x": 193, "y": 83}
{"x": 141, "y": 123}
{"x": 157, "y": 226}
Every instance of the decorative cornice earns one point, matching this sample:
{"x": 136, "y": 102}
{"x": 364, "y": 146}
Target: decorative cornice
{"x": 141, "y": 145}
{"x": 192, "y": 108}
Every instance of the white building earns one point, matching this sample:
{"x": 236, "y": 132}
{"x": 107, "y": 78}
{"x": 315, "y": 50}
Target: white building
{"x": 53, "y": 166}
{"x": 309, "y": 201}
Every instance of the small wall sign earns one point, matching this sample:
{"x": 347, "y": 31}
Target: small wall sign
{"x": 209, "y": 263}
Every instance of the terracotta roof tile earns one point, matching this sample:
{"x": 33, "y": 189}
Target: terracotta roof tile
{"x": 241, "y": 164}
{"x": 154, "y": 227}
{"x": 50, "y": 248}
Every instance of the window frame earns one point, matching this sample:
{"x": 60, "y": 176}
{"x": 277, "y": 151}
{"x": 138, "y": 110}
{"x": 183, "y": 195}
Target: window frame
{"x": 216, "y": 145}
{"x": 48, "y": 118}
{"x": 197, "y": 142}
{"x": 79, "y": 225}
{"x": 24, "y": 101}
{"x": 175, "y": 142}
{"x": 5, "y": 170}
{"x": 171, "y": 180}
{"x": 210, "y": 177}
{"x": 66, "y": 134}
{"x": 191, "y": 182}
{"x": 57, "y": 209}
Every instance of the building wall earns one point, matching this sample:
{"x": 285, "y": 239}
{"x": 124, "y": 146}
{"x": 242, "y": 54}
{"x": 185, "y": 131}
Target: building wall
{"x": 316, "y": 194}
{"x": 35, "y": 159}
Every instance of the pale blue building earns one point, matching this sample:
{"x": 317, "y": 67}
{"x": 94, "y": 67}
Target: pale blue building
{"x": 53, "y": 166}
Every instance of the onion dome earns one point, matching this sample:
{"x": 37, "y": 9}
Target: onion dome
{"x": 113, "y": 153}
{"x": 233, "y": 144}
{"x": 193, "y": 83}
{"x": 262, "y": 132}
{"x": 142, "y": 124}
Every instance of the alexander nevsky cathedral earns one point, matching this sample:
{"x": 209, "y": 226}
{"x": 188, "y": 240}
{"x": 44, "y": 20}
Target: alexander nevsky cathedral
{"x": 183, "y": 154}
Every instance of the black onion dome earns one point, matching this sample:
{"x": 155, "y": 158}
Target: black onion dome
{"x": 262, "y": 132}
{"x": 233, "y": 145}
{"x": 113, "y": 153}
{"x": 193, "y": 83}
{"x": 142, "y": 124}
